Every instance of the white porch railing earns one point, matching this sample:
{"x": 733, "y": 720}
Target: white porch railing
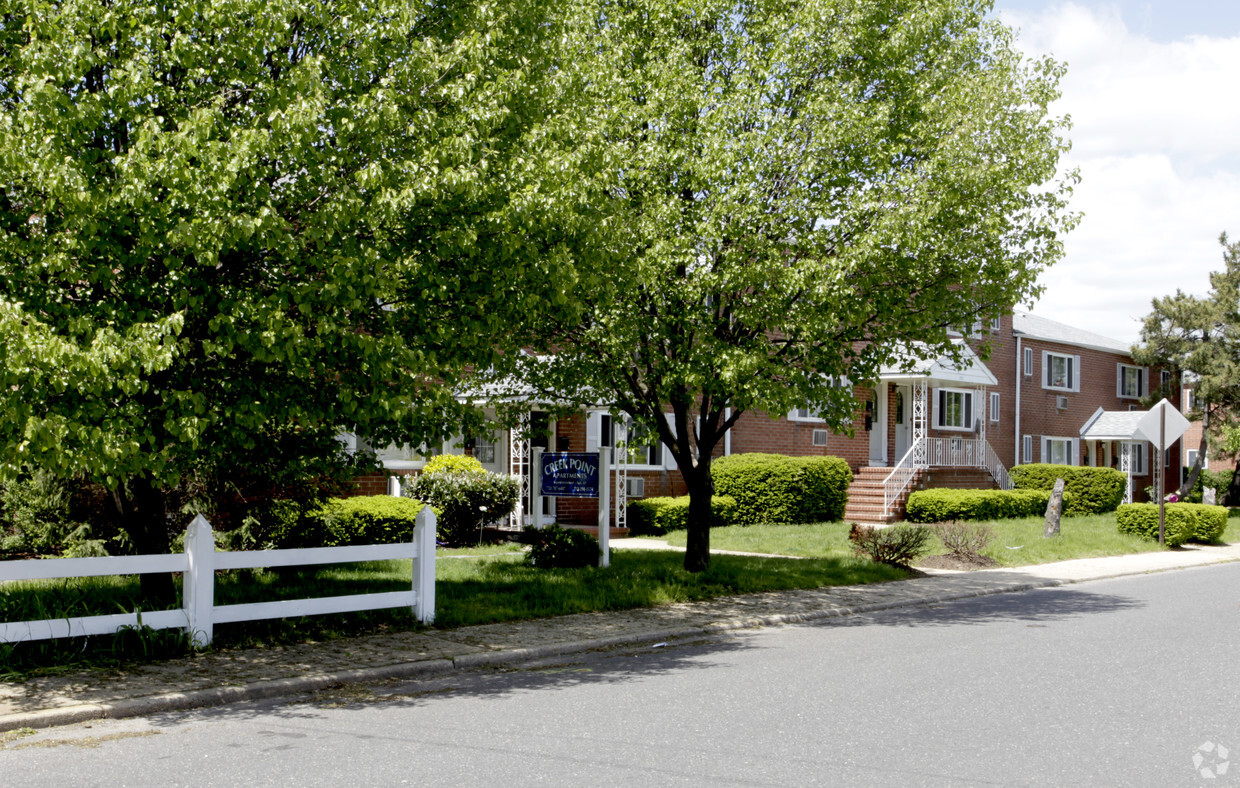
{"x": 198, "y": 564}
{"x": 902, "y": 475}
{"x": 943, "y": 453}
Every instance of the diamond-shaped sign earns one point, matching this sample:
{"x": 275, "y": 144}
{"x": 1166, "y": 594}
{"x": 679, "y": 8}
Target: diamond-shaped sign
{"x": 1175, "y": 425}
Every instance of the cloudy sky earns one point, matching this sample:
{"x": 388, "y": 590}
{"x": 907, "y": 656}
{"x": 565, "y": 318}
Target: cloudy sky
{"x": 1151, "y": 90}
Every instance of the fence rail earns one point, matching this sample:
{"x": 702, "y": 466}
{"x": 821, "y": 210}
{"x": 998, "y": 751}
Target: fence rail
{"x": 198, "y": 565}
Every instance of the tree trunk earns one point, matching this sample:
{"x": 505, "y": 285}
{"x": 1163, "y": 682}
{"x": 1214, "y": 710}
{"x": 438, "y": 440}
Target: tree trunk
{"x": 143, "y": 510}
{"x": 697, "y": 545}
{"x": 1187, "y": 486}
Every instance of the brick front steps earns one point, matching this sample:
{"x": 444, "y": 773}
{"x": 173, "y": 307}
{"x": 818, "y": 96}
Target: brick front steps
{"x": 866, "y": 495}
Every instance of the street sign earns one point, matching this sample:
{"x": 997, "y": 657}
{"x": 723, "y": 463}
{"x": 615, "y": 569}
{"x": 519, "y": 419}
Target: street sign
{"x": 1162, "y": 420}
{"x": 569, "y": 474}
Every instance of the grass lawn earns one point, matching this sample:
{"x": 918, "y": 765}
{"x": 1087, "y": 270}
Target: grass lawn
{"x": 495, "y": 586}
{"x": 1016, "y": 542}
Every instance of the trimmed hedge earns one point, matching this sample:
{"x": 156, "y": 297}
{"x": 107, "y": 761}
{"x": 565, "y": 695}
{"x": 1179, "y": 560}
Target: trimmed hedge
{"x": 368, "y": 519}
{"x": 774, "y": 488}
{"x": 1094, "y": 490}
{"x": 1185, "y": 521}
{"x": 936, "y": 506}
{"x": 658, "y": 516}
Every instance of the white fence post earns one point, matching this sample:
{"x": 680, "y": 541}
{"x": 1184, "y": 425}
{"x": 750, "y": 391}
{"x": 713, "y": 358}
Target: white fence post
{"x": 198, "y": 586}
{"x": 424, "y": 566}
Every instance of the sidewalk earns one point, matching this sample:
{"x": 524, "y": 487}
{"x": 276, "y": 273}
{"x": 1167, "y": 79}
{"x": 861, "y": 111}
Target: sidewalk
{"x": 229, "y": 676}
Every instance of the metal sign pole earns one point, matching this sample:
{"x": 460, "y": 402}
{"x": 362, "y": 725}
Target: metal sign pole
{"x": 1162, "y": 498}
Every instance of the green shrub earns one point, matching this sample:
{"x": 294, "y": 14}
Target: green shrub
{"x": 773, "y": 488}
{"x": 1219, "y": 480}
{"x": 369, "y": 519}
{"x": 554, "y": 547}
{"x": 50, "y": 515}
{"x": 1210, "y": 521}
{"x": 1141, "y": 519}
{"x": 939, "y": 505}
{"x": 658, "y": 516}
{"x": 1094, "y": 490}
{"x": 466, "y": 501}
{"x": 899, "y": 545}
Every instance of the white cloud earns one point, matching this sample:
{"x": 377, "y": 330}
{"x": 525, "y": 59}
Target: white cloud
{"x": 1154, "y": 139}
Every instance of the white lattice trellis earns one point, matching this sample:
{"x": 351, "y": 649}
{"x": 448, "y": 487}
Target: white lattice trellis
{"x": 1125, "y": 465}
{"x": 921, "y": 421}
{"x": 519, "y": 466}
{"x": 621, "y": 466}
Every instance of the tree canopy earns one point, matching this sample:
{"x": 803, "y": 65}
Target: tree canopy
{"x": 230, "y": 230}
{"x": 1200, "y": 336}
{"x": 790, "y": 195}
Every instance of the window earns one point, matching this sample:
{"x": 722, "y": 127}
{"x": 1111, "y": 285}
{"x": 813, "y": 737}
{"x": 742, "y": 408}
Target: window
{"x": 1026, "y": 449}
{"x": 805, "y": 414}
{"x": 954, "y": 409}
{"x": 1131, "y": 382}
{"x": 1137, "y": 457}
{"x": 1164, "y": 380}
{"x": 1060, "y": 372}
{"x": 406, "y": 457}
{"x": 1028, "y": 362}
{"x": 1059, "y": 451}
{"x": 994, "y": 407}
{"x": 484, "y": 448}
{"x": 621, "y": 434}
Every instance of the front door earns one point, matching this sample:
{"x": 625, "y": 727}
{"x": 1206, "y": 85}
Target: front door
{"x": 876, "y": 420}
{"x": 902, "y": 413}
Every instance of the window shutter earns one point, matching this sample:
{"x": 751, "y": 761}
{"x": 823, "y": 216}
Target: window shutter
{"x": 1027, "y": 449}
{"x": 1076, "y": 373}
{"x": 1046, "y": 370}
{"x": 1046, "y": 450}
{"x": 935, "y": 407}
{"x": 669, "y": 462}
{"x": 1143, "y": 389}
{"x": 1076, "y": 452}
{"x": 1119, "y": 380}
{"x": 594, "y": 428}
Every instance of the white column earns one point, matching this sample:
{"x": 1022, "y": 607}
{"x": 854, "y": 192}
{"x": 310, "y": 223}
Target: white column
{"x": 536, "y": 498}
{"x": 604, "y": 508}
{"x": 199, "y": 581}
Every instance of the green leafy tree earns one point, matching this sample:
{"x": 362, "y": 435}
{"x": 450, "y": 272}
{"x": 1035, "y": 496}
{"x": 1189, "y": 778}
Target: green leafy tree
{"x": 1201, "y": 336}
{"x": 229, "y": 230}
{"x": 790, "y": 194}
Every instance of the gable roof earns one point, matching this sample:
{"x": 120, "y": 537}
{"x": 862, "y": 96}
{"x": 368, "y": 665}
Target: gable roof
{"x": 1113, "y": 425}
{"x": 1029, "y": 325}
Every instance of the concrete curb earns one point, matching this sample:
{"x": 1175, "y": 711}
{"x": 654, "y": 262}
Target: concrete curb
{"x": 275, "y": 688}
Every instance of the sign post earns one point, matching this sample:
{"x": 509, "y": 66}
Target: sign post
{"x": 1163, "y": 425}
{"x": 578, "y": 475}
{"x": 536, "y": 496}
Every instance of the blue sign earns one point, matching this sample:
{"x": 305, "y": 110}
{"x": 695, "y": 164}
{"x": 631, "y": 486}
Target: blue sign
{"x": 569, "y": 475}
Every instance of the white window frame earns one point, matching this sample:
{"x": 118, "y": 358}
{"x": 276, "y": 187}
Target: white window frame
{"x": 1071, "y": 447}
{"x": 1026, "y": 449}
{"x": 994, "y": 407}
{"x": 598, "y": 419}
{"x": 968, "y": 408}
{"x": 1140, "y": 451}
{"x": 1028, "y": 362}
{"x": 1143, "y": 381}
{"x": 807, "y": 415}
{"x": 1073, "y": 370}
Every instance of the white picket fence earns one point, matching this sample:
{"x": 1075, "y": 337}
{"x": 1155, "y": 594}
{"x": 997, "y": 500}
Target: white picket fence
{"x": 198, "y": 564}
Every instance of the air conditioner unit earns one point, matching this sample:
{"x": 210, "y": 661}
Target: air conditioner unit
{"x": 820, "y": 437}
{"x": 635, "y": 487}
{"x": 1061, "y": 402}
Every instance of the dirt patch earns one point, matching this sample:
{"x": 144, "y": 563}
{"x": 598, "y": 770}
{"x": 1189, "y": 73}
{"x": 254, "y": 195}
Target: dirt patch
{"x": 959, "y": 563}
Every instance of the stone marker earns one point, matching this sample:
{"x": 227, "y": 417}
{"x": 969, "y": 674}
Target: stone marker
{"x": 1208, "y": 496}
{"x": 1053, "y": 509}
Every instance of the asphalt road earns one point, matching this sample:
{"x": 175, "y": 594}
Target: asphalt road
{"x": 1118, "y": 682}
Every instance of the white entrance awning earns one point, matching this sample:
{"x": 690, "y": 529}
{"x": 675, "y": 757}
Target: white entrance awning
{"x": 910, "y": 367}
{"x": 1113, "y": 425}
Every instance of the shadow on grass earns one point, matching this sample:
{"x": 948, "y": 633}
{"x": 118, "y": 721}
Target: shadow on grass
{"x": 485, "y": 591}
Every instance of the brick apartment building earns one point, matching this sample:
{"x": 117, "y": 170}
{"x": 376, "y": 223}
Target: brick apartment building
{"x": 1048, "y": 392}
